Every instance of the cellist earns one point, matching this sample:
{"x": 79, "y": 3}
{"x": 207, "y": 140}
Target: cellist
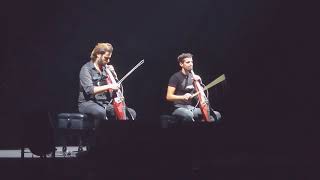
{"x": 95, "y": 93}
{"x": 180, "y": 90}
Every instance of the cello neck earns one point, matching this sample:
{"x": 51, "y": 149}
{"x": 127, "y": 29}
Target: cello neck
{"x": 111, "y": 75}
{"x": 198, "y": 81}
{"x": 192, "y": 72}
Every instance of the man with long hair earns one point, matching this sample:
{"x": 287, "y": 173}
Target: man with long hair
{"x": 94, "y": 94}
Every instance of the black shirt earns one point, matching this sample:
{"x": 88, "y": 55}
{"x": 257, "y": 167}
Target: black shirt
{"x": 183, "y": 85}
{"x": 90, "y": 77}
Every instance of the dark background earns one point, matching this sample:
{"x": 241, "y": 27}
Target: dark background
{"x": 267, "y": 50}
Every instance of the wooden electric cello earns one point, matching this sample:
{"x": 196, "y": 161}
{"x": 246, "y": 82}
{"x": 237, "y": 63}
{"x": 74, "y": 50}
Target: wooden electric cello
{"x": 118, "y": 100}
{"x": 202, "y": 98}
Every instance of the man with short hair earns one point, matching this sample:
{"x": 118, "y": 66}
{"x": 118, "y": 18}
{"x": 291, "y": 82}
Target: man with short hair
{"x": 180, "y": 89}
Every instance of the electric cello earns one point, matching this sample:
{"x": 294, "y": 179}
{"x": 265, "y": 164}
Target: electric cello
{"x": 118, "y": 100}
{"x": 202, "y": 98}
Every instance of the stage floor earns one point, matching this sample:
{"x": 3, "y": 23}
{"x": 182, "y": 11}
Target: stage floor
{"x": 16, "y": 153}
{"x": 144, "y": 165}
{"x": 202, "y": 152}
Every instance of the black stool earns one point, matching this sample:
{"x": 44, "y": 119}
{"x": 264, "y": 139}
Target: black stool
{"x": 74, "y": 124}
{"x": 168, "y": 121}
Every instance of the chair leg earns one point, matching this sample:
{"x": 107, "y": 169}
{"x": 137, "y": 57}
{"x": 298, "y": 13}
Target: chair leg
{"x": 53, "y": 154}
{"x": 80, "y": 147}
{"x": 64, "y": 149}
{"x": 22, "y": 152}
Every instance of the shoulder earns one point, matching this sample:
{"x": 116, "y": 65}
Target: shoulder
{"x": 175, "y": 78}
{"x": 86, "y": 69}
{"x": 178, "y": 75}
{"x": 87, "y": 66}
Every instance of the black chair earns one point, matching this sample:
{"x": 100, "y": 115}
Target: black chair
{"x": 74, "y": 125}
{"x": 169, "y": 121}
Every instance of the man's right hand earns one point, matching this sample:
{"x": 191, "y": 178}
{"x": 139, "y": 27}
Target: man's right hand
{"x": 187, "y": 96}
{"x": 114, "y": 86}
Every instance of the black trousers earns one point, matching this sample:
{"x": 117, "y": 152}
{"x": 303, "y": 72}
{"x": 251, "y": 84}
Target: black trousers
{"x": 101, "y": 112}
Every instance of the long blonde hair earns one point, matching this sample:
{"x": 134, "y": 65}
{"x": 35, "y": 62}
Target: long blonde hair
{"x": 100, "y": 48}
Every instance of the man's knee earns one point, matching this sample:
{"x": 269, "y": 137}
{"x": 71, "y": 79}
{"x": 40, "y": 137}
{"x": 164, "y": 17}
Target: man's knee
{"x": 216, "y": 117}
{"x": 184, "y": 116}
{"x": 101, "y": 115}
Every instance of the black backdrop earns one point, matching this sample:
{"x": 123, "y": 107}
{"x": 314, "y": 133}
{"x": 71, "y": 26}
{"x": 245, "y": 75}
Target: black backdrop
{"x": 267, "y": 49}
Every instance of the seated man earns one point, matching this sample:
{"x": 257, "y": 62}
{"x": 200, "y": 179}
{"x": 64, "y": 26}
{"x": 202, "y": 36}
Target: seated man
{"x": 179, "y": 92}
{"x": 94, "y": 95}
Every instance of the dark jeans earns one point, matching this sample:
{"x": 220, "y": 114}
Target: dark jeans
{"x": 190, "y": 113}
{"x": 102, "y": 111}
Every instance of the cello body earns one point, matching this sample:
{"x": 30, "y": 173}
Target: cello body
{"x": 203, "y": 100}
{"x": 118, "y": 102}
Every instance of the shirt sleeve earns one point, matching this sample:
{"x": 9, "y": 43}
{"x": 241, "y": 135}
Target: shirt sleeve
{"x": 173, "y": 81}
{"x": 86, "y": 80}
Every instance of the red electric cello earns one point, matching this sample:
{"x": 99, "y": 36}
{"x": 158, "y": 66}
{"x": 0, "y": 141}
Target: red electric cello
{"x": 202, "y": 98}
{"x": 118, "y": 101}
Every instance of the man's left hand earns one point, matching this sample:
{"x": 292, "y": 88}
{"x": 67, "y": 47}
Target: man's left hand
{"x": 196, "y": 78}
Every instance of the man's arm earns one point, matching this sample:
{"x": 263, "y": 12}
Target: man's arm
{"x": 89, "y": 88}
{"x": 172, "y": 97}
{"x": 104, "y": 88}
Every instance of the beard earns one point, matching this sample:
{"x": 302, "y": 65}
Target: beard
{"x": 102, "y": 61}
{"x": 188, "y": 69}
